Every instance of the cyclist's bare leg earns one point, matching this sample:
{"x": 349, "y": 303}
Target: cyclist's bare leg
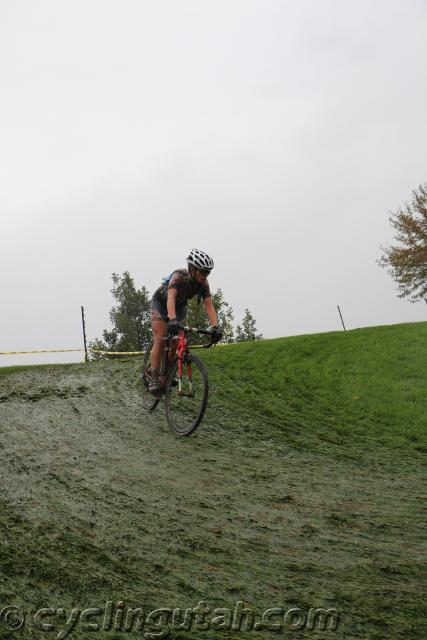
{"x": 159, "y": 332}
{"x": 159, "y": 329}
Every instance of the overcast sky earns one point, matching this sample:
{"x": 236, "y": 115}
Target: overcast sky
{"x": 275, "y": 135}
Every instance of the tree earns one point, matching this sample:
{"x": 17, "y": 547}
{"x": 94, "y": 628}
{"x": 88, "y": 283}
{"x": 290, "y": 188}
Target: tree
{"x": 406, "y": 260}
{"x": 131, "y": 329}
{"x": 197, "y": 316}
{"x": 225, "y": 316}
{"x": 247, "y": 330}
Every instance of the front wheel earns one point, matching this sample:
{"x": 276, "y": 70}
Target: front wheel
{"x": 149, "y": 401}
{"x": 186, "y": 398}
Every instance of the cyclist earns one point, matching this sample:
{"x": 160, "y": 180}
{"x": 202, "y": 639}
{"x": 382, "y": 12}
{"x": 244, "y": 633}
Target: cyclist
{"x": 169, "y": 306}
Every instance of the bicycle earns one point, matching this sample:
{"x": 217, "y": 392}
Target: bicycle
{"x": 184, "y": 384}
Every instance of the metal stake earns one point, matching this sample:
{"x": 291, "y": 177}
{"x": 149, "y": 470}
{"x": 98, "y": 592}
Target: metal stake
{"x": 339, "y": 311}
{"x": 84, "y": 332}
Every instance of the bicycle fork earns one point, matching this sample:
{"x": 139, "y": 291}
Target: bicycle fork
{"x": 181, "y": 391}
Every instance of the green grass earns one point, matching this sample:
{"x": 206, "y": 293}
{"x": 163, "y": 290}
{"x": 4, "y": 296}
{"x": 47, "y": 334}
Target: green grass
{"x": 303, "y": 487}
{"x": 365, "y": 387}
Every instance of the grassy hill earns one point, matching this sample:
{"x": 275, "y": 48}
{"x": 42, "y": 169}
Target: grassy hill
{"x": 304, "y": 488}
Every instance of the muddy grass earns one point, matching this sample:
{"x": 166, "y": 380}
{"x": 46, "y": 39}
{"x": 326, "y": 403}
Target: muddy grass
{"x": 101, "y": 502}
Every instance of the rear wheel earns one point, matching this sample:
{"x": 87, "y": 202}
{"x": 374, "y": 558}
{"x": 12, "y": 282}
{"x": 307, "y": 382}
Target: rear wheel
{"x": 149, "y": 400}
{"x": 186, "y": 399}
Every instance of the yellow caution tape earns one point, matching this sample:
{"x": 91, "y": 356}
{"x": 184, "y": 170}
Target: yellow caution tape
{"x": 118, "y": 353}
{"x": 141, "y": 353}
{"x": 14, "y": 353}
{"x": 111, "y": 353}
{"x": 105, "y": 353}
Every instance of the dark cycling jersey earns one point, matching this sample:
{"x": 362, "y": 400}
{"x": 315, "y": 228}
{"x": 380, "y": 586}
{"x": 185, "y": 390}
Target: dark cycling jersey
{"x": 186, "y": 289}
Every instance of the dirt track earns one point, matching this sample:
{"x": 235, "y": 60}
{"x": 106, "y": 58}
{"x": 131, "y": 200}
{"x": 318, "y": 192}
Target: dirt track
{"x": 120, "y": 508}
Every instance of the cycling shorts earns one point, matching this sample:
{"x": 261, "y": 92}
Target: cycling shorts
{"x": 158, "y": 310}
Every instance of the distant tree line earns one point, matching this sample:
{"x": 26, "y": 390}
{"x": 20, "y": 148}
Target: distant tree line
{"x": 131, "y": 326}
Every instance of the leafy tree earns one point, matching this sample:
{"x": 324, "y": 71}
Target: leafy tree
{"x": 406, "y": 260}
{"x": 131, "y": 330}
{"x": 197, "y": 316}
{"x": 247, "y": 330}
{"x": 225, "y": 316}
{"x": 130, "y": 318}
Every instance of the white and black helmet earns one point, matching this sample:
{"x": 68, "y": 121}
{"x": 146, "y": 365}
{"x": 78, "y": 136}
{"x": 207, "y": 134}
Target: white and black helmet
{"x": 200, "y": 260}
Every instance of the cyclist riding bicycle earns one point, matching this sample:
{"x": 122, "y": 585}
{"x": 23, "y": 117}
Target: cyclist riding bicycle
{"x": 169, "y": 306}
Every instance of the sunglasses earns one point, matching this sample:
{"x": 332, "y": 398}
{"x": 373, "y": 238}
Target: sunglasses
{"x": 204, "y": 272}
